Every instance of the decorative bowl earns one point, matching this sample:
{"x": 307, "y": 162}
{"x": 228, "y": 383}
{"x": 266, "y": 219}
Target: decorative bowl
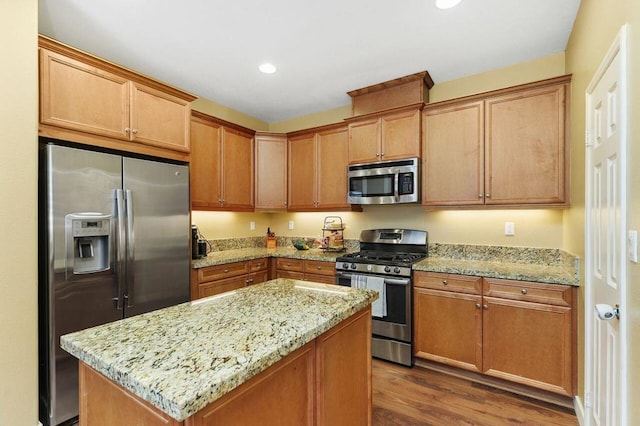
{"x": 303, "y": 244}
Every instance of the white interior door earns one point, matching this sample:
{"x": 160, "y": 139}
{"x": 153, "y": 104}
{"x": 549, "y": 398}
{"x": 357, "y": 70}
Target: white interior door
{"x": 605, "y": 340}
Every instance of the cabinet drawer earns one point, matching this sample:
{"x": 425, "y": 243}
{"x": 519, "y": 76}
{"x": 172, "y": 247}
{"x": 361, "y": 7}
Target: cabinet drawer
{"x": 448, "y": 282}
{"x": 551, "y": 294}
{"x": 286, "y": 264}
{"x": 256, "y": 265}
{"x": 225, "y": 270}
{"x": 257, "y": 277}
{"x": 217, "y": 287}
{"x": 319, "y": 267}
{"x": 325, "y": 279}
{"x": 292, "y": 275}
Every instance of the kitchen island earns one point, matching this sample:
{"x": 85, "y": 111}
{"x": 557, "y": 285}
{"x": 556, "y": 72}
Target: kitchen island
{"x": 281, "y": 352}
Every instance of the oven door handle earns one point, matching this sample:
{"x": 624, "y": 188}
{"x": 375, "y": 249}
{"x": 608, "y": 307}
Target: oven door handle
{"x": 392, "y": 281}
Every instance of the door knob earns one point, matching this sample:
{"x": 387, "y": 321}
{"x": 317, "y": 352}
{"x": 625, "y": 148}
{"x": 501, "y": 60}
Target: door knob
{"x": 607, "y": 312}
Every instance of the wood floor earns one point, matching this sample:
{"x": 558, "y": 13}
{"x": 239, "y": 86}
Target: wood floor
{"x": 418, "y": 396}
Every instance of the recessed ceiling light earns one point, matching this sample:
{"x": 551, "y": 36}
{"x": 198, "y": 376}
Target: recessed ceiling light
{"x": 267, "y": 68}
{"x": 447, "y": 4}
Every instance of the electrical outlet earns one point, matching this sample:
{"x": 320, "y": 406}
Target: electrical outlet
{"x": 252, "y": 226}
{"x": 290, "y": 224}
{"x": 509, "y": 228}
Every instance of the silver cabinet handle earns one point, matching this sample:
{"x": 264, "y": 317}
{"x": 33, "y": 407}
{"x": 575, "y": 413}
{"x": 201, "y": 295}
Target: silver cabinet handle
{"x": 445, "y": 282}
{"x": 524, "y": 291}
{"x": 485, "y": 306}
{"x": 134, "y": 131}
{"x": 488, "y": 195}
{"x": 479, "y": 195}
{"x": 478, "y": 306}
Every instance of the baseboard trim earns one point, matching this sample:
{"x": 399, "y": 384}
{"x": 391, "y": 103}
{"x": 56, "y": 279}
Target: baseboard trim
{"x": 527, "y": 391}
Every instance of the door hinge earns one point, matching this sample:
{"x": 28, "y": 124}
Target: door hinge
{"x": 587, "y": 138}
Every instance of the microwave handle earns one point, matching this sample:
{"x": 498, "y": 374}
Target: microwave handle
{"x": 396, "y": 190}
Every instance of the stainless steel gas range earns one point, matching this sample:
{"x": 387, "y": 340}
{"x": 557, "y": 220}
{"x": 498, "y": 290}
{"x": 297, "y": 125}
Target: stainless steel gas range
{"x": 384, "y": 263}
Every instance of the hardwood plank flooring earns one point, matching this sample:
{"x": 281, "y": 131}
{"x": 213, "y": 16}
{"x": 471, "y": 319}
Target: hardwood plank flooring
{"x": 419, "y": 396}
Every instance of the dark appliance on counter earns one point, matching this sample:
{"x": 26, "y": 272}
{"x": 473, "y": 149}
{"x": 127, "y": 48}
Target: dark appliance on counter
{"x": 384, "y": 262}
{"x": 113, "y": 243}
{"x": 384, "y": 182}
{"x": 198, "y": 245}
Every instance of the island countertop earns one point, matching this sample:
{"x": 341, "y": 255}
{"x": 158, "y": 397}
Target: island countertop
{"x": 181, "y": 358}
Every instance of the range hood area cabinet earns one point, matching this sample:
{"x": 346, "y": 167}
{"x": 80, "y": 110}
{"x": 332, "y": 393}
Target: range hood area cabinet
{"x": 222, "y": 165}
{"x": 317, "y": 163}
{"x": 389, "y": 135}
{"x": 503, "y": 148}
{"x": 87, "y": 100}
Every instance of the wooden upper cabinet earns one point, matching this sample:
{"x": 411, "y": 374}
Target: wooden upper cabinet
{"x": 453, "y": 160}
{"x": 205, "y": 159}
{"x": 302, "y": 172}
{"x": 271, "y": 172}
{"x": 385, "y": 136}
{"x": 222, "y": 165}
{"x": 237, "y": 170}
{"x": 159, "y": 118}
{"x": 525, "y": 147}
{"x": 504, "y": 148}
{"x": 85, "y": 99}
{"x": 317, "y": 164}
{"x": 81, "y": 97}
{"x": 332, "y": 154}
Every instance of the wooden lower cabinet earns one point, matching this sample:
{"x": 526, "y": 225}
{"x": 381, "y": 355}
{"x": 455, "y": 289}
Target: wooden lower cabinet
{"x": 307, "y": 270}
{"x": 212, "y": 280}
{"x": 520, "y": 331}
{"x": 327, "y": 382}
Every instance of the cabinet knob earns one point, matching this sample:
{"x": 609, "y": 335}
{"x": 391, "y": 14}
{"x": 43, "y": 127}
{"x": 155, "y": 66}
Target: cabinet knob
{"x": 319, "y": 267}
{"x": 226, "y": 270}
{"x": 127, "y": 130}
{"x": 478, "y": 306}
{"x": 479, "y": 195}
{"x": 487, "y": 195}
{"x": 445, "y": 282}
{"x": 485, "y": 306}
{"x": 134, "y": 131}
{"x": 382, "y": 154}
{"x": 377, "y": 154}
{"x": 524, "y": 291}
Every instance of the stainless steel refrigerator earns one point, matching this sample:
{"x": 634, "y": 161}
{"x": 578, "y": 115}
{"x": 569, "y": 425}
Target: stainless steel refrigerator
{"x": 114, "y": 243}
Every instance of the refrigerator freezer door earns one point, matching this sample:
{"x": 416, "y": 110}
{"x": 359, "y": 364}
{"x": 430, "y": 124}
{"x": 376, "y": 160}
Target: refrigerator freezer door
{"x": 158, "y": 258}
{"x": 78, "y": 181}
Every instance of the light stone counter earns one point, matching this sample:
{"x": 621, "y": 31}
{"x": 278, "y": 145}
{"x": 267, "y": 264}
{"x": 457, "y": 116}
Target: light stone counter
{"x": 242, "y": 254}
{"x": 182, "y": 358}
{"x": 515, "y": 263}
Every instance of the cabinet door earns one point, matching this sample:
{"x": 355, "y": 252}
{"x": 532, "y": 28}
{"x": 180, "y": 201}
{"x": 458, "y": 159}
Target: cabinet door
{"x": 205, "y": 164}
{"x": 159, "y": 119}
{"x": 400, "y": 135}
{"x": 302, "y": 173}
{"x": 364, "y": 141}
{"x": 81, "y": 97}
{"x": 453, "y": 159}
{"x": 448, "y": 328}
{"x": 525, "y": 147}
{"x": 332, "y": 154}
{"x": 237, "y": 169}
{"x": 529, "y": 343}
{"x": 220, "y": 286}
{"x": 271, "y": 172}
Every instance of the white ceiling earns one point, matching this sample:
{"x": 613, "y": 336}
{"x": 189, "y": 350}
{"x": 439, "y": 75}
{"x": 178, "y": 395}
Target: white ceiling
{"x": 323, "y": 49}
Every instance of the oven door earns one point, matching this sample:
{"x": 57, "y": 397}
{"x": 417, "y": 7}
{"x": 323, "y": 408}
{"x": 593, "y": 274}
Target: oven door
{"x": 397, "y": 323}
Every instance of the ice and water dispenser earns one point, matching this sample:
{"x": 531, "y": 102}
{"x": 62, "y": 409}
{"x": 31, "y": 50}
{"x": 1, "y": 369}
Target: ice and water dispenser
{"x": 88, "y": 240}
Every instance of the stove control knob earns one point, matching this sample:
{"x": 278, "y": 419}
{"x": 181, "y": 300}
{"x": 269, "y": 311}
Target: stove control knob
{"x": 387, "y": 269}
{"x": 345, "y": 265}
{"x": 353, "y": 266}
{"x": 396, "y": 270}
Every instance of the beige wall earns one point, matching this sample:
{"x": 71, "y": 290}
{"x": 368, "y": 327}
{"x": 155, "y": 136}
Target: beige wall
{"x": 225, "y": 113}
{"x": 18, "y": 227}
{"x": 595, "y": 28}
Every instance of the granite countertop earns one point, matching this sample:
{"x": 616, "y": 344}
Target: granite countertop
{"x": 182, "y": 358}
{"x": 242, "y": 254}
{"x": 516, "y": 263}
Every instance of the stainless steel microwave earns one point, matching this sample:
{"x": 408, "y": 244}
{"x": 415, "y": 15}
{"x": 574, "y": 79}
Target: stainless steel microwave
{"x": 386, "y": 182}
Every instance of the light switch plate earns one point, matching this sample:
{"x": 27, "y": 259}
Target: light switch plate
{"x": 632, "y": 245}
{"x": 290, "y": 224}
{"x": 509, "y": 228}
{"x": 252, "y": 226}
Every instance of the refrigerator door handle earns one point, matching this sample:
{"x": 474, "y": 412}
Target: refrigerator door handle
{"x": 121, "y": 248}
{"x": 130, "y": 251}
